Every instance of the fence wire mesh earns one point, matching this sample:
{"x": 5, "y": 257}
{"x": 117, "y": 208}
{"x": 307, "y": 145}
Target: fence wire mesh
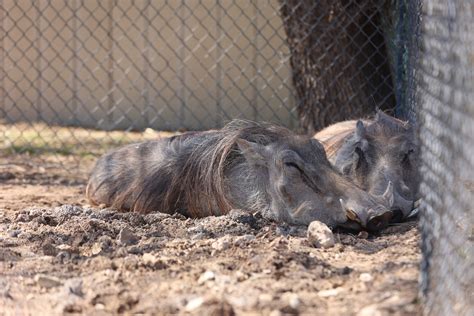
{"x": 173, "y": 65}
{"x": 445, "y": 80}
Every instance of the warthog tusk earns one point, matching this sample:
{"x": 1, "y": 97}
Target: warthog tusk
{"x": 350, "y": 214}
{"x": 388, "y": 194}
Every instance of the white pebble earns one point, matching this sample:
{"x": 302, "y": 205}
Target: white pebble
{"x": 206, "y": 276}
{"x": 222, "y": 243}
{"x": 149, "y": 259}
{"x": 294, "y": 301}
{"x": 329, "y": 293}
{"x": 366, "y": 277}
{"x": 371, "y": 310}
{"x": 193, "y": 304}
{"x": 319, "y": 235}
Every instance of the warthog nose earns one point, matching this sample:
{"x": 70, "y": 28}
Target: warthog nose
{"x": 380, "y": 221}
{"x": 397, "y": 216}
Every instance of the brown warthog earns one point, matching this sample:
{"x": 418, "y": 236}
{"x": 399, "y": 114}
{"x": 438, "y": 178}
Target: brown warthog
{"x": 380, "y": 155}
{"x": 256, "y": 167}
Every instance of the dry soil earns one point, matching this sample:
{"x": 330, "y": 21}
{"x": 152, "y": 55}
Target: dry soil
{"x": 60, "y": 255}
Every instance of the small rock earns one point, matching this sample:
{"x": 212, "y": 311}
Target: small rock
{"x": 23, "y": 218}
{"x": 346, "y": 270}
{"x": 265, "y": 298}
{"x": 47, "y": 281}
{"x": 99, "y": 247}
{"x": 366, "y": 277}
{"x": 294, "y": 301}
{"x": 244, "y": 240}
{"x": 194, "y": 304}
{"x": 363, "y": 235}
{"x": 135, "y": 250}
{"x": 62, "y": 256}
{"x": 35, "y": 212}
{"x": 209, "y": 306}
{"x": 64, "y": 247}
{"x": 105, "y": 241}
{"x": 74, "y": 286}
{"x": 7, "y": 175}
{"x": 319, "y": 235}
{"x": 243, "y": 217}
{"x": 206, "y": 276}
{"x": 153, "y": 261}
{"x": 198, "y": 236}
{"x": 99, "y": 306}
{"x": 50, "y": 250}
{"x": 329, "y": 293}
{"x": 126, "y": 237}
{"x": 71, "y": 308}
{"x": 96, "y": 248}
{"x": 5, "y": 291}
{"x": 197, "y": 230}
{"x": 371, "y": 310}
{"x": 149, "y": 259}
{"x": 14, "y": 233}
{"x": 154, "y": 218}
{"x": 222, "y": 243}
{"x": 241, "y": 276}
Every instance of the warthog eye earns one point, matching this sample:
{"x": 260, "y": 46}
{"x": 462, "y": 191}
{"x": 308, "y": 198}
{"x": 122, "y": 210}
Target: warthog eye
{"x": 360, "y": 157}
{"x": 293, "y": 165}
{"x": 406, "y": 156}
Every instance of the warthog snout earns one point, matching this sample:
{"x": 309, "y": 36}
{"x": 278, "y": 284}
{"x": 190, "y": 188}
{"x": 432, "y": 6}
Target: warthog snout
{"x": 380, "y": 220}
{"x": 371, "y": 219}
{"x": 398, "y": 205}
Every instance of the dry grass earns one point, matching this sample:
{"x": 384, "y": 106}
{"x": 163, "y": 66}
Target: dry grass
{"x": 42, "y": 139}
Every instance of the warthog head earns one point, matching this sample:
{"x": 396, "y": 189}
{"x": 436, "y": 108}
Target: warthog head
{"x": 382, "y": 158}
{"x": 302, "y": 186}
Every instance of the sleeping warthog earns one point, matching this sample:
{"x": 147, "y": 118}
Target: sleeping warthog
{"x": 379, "y": 155}
{"x": 255, "y": 167}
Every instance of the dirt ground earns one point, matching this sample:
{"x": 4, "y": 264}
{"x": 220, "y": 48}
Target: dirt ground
{"x": 59, "y": 255}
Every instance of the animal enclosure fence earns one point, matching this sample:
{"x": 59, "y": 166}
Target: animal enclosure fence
{"x": 446, "y": 112}
{"x": 169, "y": 65}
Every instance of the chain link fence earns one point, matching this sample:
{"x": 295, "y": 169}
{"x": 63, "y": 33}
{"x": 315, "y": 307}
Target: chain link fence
{"x": 187, "y": 65}
{"x": 446, "y": 112}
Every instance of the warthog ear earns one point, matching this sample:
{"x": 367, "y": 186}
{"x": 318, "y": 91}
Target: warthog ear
{"x": 380, "y": 115}
{"x": 346, "y": 169}
{"x": 385, "y": 119}
{"x": 360, "y": 130}
{"x": 253, "y": 152}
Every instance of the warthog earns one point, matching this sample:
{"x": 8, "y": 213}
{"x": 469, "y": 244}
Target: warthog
{"x": 379, "y": 155}
{"x": 256, "y": 167}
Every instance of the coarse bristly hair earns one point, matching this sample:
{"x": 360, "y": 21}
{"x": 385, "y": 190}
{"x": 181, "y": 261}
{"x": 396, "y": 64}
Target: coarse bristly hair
{"x": 190, "y": 176}
{"x": 382, "y": 125}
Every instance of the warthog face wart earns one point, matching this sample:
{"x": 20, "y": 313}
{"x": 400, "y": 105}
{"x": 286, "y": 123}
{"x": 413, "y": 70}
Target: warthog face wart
{"x": 255, "y": 167}
{"x": 382, "y": 158}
